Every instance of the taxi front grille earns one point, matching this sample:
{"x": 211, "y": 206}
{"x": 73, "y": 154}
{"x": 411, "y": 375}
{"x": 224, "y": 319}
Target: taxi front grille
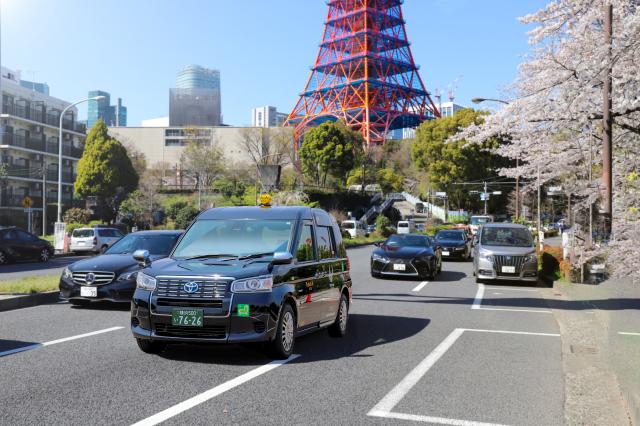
{"x": 93, "y": 278}
{"x": 209, "y": 332}
{"x": 185, "y": 288}
{"x": 190, "y": 302}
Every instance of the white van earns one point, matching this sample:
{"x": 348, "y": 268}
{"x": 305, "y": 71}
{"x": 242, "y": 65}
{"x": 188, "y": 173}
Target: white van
{"x": 477, "y": 221}
{"x": 406, "y": 227}
{"x": 355, "y": 228}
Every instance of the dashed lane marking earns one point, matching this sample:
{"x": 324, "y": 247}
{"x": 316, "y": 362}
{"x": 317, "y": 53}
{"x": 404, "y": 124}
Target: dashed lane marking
{"x": 384, "y": 408}
{"x": 477, "y": 303}
{"x": 421, "y": 286}
{"x": 626, "y": 333}
{"x": 55, "y": 342}
{"x": 212, "y": 393}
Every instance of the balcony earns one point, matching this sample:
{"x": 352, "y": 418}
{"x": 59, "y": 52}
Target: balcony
{"x": 50, "y": 146}
{"x": 51, "y": 118}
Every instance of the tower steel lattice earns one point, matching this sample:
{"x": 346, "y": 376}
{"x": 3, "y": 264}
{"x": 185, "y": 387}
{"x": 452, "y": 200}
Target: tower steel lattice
{"x": 364, "y": 74}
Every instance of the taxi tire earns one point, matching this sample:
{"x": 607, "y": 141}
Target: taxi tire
{"x": 275, "y": 347}
{"x": 150, "y": 346}
{"x": 339, "y": 328}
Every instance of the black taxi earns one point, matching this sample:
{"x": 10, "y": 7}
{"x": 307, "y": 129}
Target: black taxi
{"x": 245, "y": 274}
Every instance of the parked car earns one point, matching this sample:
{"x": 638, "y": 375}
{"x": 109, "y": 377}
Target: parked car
{"x": 355, "y": 228}
{"x": 455, "y": 243}
{"x": 245, "y": 274}
{"x": 407, "y": 255}
{"x": 504, "y": 252}
{"x": 17, "y": 244}
{"x": 406, "y": 227}
{"x": 94, "y": 240}
{"x": 112, "y": 276}
{"x": 477, "y": 221}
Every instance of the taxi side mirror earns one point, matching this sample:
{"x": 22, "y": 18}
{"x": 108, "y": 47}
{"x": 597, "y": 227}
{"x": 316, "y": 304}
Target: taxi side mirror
{"x": 282, "y": 258}
{"x": 142, "y": 257}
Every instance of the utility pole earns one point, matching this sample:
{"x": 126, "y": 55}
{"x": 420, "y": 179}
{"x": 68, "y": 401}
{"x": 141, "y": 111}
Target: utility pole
{"x": 518, "y": 189}
{"x": 539, "y": 199}
{"x": 44, "y": 198}
{"x": 607, "y": 137}
{"x": 486, "y": 202}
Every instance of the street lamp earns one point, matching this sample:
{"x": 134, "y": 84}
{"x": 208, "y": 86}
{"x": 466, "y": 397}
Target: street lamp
{"x": 480, "y": 100}
{"x": 64, "y": 111}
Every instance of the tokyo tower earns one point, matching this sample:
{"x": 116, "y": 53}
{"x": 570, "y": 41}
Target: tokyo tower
{"x": 364, "y": 74}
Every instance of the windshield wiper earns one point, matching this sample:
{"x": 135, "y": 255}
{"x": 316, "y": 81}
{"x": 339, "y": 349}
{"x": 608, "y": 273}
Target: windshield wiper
{"x": 211, "y": 256}
{"x": 255, "y": 255}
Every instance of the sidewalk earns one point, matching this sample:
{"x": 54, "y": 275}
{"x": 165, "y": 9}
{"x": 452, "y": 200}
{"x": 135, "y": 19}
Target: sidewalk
{"x": 602, "y": 374}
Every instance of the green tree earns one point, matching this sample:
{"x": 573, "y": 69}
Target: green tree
{"x": 447, "y": 162}
{"x": 389, "y": 180}
{"x": 383, "y": 225}
{"x": 185, "y": 216}
{"x": 105, "y": 171}
{"x": 330, "y": 149}
{"x": 202, "y": 158}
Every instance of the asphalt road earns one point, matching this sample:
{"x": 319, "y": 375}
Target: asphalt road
{"x": 443, "y": 354}
{"x": 54, "y": 266}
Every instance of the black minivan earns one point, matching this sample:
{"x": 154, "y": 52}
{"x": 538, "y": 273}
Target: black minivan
{"x": 245, "y": 274}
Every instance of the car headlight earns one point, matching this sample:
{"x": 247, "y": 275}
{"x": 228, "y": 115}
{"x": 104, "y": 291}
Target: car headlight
{"x": 127, "y": 276}
{"x": 485, "y": 255}
{"x": 145, "y": 282}
{"x": 67, "y": 274}
{"x": 532, "y": 257}
{"x": 381, "y": 258}
{"x": 253, "y": 285}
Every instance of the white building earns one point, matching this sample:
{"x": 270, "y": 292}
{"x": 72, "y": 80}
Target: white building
{"x": 29, "y": 121}
{"x": 448, "y": 109}
{"x": 267, "y": 116}
{"x": 156, "y": 122}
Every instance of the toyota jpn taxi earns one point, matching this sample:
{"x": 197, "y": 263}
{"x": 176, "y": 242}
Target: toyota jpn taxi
{"x": 245, "y": 274}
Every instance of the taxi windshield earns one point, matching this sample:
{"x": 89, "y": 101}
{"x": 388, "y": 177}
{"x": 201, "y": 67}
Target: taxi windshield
{"x": 211, "y": 238}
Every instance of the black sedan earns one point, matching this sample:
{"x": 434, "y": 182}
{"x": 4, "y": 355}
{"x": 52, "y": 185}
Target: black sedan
{"x": 17, "y": 244}
{"x": 112, "y": 276}
{"x": 455, "y": 244}
{"x": 407, "y": 255}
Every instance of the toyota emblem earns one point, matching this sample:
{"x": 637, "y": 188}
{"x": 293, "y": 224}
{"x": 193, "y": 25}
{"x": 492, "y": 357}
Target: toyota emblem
{"x": 191, "y": 287}
{"x": 91, "y": 277}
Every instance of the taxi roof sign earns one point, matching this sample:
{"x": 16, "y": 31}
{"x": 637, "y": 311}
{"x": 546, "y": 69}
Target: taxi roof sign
{"x": 265, "y": 200}
{"x": 27, "y": 202}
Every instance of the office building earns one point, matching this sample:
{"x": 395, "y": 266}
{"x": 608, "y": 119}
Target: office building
{"x": 196, "y": 100}
{"x": 113, "y": 115}
{"x": 37, "y": 87}
{"x": 29, "y": 123}
{"x": 267, "y": 116}
{"x": 448, "y": 109}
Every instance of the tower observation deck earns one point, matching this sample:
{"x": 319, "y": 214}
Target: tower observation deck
{"x": 364, "y": 74}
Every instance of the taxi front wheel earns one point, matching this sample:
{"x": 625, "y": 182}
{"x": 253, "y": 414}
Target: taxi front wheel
{"x": 281, "y": 347}
{"x": 151, "y": 347}
{"x": 339, "y": 328}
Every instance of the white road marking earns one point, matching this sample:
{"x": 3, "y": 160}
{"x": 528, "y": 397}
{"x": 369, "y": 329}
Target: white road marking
{"x": 626, "y": 333}
{"x": 421, "y": 286}
{"x": 385, "y": 406}
{"x": 512, "y": 289}
{"x": 55, "y": 342}
{"x": 477, "y": 302}
{"x": 211, "y": 393}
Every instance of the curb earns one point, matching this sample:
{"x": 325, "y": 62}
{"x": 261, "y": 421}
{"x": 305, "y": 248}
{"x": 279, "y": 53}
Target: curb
{"x": 29, "y": 300}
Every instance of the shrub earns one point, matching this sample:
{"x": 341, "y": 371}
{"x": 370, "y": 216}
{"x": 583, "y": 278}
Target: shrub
{"x": 185, "y": 216}
{"x": 73, "y": 226}
{"x": 76, "y": 215}
{"x": 174, "y": 207}
{"x": 383, "y": 226}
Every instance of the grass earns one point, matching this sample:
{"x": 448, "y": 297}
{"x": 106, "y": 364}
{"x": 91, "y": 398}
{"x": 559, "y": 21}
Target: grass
{"x": 37, "y": 284}
{"x": 363, "y": 240}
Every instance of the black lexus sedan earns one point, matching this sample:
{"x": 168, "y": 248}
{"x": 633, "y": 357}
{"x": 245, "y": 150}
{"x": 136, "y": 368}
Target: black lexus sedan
{"x": 112, "y": 276}
{"x": 455, "y": 244}
{"x": 17, "y": 244}
{"x": 407, "y": 255}
{"x": 245, "y": 274}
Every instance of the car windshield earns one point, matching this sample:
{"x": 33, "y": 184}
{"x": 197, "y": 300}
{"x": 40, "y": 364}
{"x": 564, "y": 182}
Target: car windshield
{"x": 157, "y": 245}
{"x": 210, "y": 238}
{"x": 82, "y": 233}
{"x": 450, "y": 235}
{"x": 348, "y": 225}
{"x": 480, "y": 220}
{"x": 506, "y": 237}
{"x": 403, "y": 225}
{"x": 408, "y": 241}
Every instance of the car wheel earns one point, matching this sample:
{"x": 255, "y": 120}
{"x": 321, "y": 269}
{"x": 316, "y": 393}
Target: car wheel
{"x": 3, "y": 258}
{"x": 44, "y": 255}
{"x": 104, "y": 248}
{"x": 339, "y": 328}
{"x": 281, "y": 347}
{"x": 150, "y": 346}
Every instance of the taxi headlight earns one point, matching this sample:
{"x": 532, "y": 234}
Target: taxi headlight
{"x": 127, "y": 276}
{"x": 67, "y": 274}
{"x": 253, "y": 285}
{"x": 145, "y": 282}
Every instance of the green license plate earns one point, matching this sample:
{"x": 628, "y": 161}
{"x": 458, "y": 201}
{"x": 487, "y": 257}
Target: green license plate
{"x": 187, "y": 317}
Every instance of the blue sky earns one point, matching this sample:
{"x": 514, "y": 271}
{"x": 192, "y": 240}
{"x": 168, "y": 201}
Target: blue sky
{"x": 264, "y": 49}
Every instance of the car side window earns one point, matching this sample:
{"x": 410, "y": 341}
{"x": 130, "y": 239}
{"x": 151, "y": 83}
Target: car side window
{"x": 325, "y": 243}
{"x": 11, "y": 235}
{"x": 304, "y": 251}
{"x": 24, "y": 236}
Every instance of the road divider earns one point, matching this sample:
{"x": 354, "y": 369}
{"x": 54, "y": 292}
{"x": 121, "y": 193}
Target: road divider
{"x": 212, "y": 393}
{"x": 55, "y": 342}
